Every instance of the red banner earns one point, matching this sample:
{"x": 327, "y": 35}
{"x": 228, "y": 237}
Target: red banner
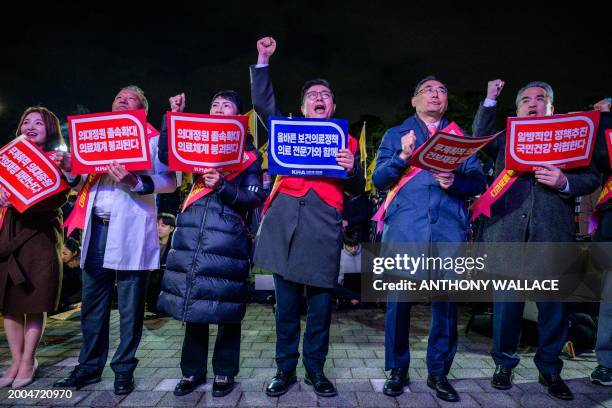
{"x": 197, "y": 141}
{"x": 565, "y": 141}
{"x": 445, "y": 151}
{"x": 100, "y": 138}
{"x": 452, "y": 130}
{"x": 27, "y": 174}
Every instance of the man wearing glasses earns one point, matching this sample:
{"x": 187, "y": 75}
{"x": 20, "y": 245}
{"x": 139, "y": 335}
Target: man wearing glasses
{"x": 429, "y": 208}
{"x": 300, "y": 238}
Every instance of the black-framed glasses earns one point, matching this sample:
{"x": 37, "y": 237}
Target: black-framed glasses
{"x": 312, "y": 95}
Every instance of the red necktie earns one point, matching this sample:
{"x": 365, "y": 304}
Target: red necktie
{"x": 432, "y": 130}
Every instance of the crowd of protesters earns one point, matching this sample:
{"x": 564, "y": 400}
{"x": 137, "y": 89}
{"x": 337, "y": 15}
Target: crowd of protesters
{"x": 148, "y": 242}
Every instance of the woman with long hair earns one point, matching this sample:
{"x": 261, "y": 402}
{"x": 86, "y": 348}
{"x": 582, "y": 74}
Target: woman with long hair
{"x": 30, "y": 264}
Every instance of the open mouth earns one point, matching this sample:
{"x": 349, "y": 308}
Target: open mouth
{"x": 532, "y": 112}
{"x": 319, "y": 108}
{"x": 32, "y": 134}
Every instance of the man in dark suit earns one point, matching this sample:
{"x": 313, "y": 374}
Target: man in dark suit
{"x": 300, "y": 238}
{"x": 538, "y": 207}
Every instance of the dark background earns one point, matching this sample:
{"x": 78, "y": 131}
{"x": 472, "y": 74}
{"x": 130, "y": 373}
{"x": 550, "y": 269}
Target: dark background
{"x": 74, "y": 58}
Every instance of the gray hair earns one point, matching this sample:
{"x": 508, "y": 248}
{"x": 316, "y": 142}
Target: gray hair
{"x": 141, "y": 95}
{"x": 536, "y": 84}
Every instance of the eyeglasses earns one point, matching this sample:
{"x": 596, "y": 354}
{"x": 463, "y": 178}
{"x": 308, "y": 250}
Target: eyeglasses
{"x": 312, "y": 95}
{"x": 429, "y": 90}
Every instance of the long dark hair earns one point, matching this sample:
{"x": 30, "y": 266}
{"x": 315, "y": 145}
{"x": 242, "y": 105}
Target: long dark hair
{"x": 52, "y": 127}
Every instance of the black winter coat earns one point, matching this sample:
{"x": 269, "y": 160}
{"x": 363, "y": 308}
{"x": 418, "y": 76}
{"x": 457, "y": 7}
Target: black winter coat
{"x": 208, "y": 263}
{"x": 530, "y": 211}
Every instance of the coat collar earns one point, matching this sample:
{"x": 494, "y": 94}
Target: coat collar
{"x": 420, "y": 128}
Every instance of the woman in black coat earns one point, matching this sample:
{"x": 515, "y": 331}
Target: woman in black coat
{"x": 208, "y": 264}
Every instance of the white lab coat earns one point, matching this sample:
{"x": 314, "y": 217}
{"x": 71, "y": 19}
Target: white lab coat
{"x": 132, "y": 242}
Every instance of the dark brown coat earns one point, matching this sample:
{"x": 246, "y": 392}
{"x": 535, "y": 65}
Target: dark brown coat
{"x": 30, "y": 263}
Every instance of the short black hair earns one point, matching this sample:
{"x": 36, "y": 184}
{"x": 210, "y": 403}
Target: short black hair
{"x": 167, "y": 219}
{"x": 317, "y": 81}
{"x": 230, "y": 95}
{"x": 422, "y": 81}
{"x": 72, "y": 245}
{"x": 350, "y": 237}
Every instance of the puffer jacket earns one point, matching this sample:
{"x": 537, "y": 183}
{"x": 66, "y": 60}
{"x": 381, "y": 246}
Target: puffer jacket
{"x": 208, "y": 263}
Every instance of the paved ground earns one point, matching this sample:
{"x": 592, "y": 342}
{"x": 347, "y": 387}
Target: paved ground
{"x": 355, "y": 363}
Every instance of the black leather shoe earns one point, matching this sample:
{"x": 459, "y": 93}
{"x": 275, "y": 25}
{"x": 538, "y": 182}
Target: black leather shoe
{"x": 502, "y": 378}
{"x": 321, "y": 385}
{"x": 124, "y": 383}
{"x": 444, "y": 390}
{"x": 556, "y": 386}
{"x": 78, "y": 379}
{"x": 394, "y": 385}
{"x": 187, "y": 386}
{"x": 280, "y": 383}
{"x": 222, "y": 385}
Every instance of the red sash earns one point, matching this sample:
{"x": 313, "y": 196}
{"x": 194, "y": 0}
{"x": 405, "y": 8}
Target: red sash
{"x": 604, "y": 197}
{"x": 380, "y": 214}
{"x": 151, "y": 131}
{"x": 77, "y": 216}
{"x": 501, "y": 184}
{"x": 199, "y": 190}
{"x": 2, "y": 215}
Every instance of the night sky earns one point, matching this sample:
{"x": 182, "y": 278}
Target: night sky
{"x": 373, "y": 55}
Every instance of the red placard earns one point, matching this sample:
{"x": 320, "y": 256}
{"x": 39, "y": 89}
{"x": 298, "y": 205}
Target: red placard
{"x": 609, "y": 143}
{"x": 446, "y": 151}
{"x": 100, "y": 138}
{"x": 27, "y": 174}
{"x": 565, "y": 141}
{"x": 197, "y": 141}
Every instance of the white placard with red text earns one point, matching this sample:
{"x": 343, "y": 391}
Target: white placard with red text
{"x": 198, "y": 141}
{"x": 100, "y": 138}
{"x": 28, "y": 174}
{"x": 565, "y": 141}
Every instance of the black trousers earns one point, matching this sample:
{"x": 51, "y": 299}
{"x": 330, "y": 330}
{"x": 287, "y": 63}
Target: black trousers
{"x": 318, "y": 319}
{"x": 226, "y": 354}
{"x": 98, "y": 288}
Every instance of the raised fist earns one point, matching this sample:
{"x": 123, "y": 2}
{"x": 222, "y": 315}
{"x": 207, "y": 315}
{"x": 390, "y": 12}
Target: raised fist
{"x": 177, "y": 103}
{"x": 603, "y": 105}
{"x": 494, "y": 88}
{"x": 408, "y": 141}
{"x": 265, "y": 48}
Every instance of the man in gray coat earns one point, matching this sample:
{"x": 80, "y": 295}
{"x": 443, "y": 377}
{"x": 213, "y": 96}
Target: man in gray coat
{"x": 538, "y": 207}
